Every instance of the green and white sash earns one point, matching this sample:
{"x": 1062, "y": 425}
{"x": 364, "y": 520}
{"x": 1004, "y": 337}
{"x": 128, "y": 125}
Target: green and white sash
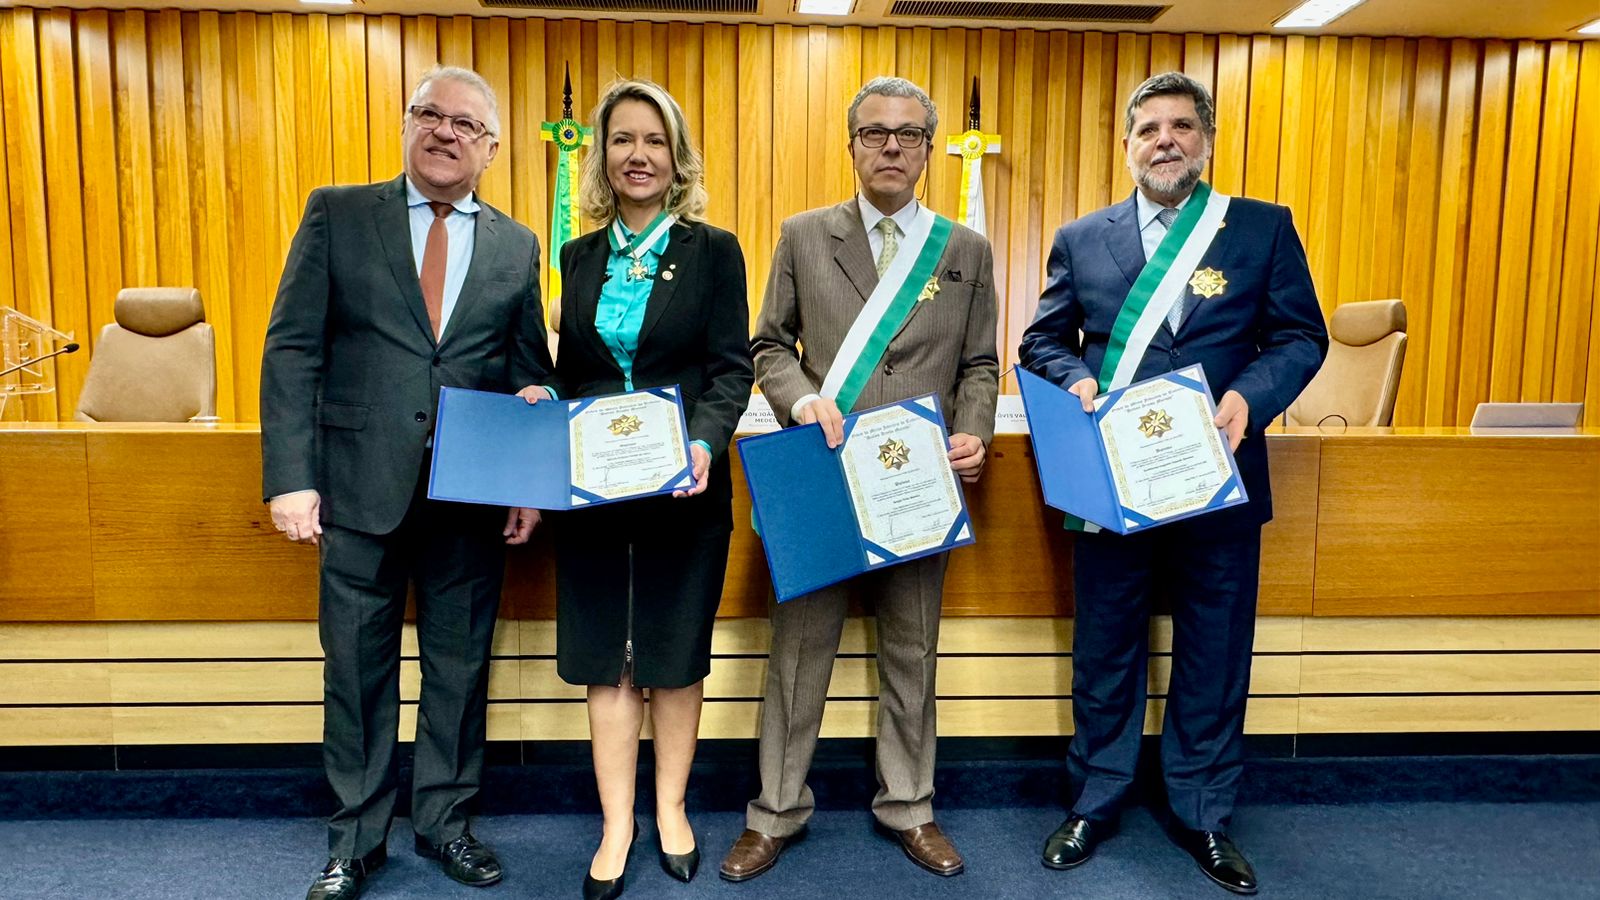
{"x": 641, "y": 242}
{"x": 892, "y": 301}
{"x": 1161, "y": 284}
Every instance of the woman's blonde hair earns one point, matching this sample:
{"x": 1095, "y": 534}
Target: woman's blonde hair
{"x": 686, "y": 197}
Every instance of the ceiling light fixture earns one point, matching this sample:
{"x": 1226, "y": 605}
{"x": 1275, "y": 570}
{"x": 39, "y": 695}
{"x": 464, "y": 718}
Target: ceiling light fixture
{"x": 1591, "y": 28}
{"x": 1315, "y": 13}
{"x": 824, "y": 7}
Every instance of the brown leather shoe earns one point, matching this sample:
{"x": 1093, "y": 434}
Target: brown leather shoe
{"x": 752, "y": 854}
{"x": 929, "y": 848}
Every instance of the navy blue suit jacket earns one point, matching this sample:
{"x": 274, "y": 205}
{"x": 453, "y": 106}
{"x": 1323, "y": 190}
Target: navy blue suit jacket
{"x": 1263, "y": 336}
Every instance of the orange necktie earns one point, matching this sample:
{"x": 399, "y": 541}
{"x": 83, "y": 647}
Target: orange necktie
{"x": 434, "y": 253}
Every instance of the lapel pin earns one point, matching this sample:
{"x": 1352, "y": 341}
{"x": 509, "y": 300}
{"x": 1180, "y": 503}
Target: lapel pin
{"x": 667, "y": 275}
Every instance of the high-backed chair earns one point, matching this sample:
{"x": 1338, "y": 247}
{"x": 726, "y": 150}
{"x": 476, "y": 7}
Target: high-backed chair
{"x": 1358, "y": 382}
{"x": 156, "y": 363}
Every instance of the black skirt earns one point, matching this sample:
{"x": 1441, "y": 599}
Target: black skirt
{"x": 649, "y": 572}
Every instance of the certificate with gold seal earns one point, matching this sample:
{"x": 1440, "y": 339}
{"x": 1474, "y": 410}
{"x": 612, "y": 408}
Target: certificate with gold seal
{"x": 558, "y": 454}
{"x": 884, "y": 496}
{"x": 626, "y": 445}
{"x": 1148, "y": 455}
{"x": 902, "y": 490}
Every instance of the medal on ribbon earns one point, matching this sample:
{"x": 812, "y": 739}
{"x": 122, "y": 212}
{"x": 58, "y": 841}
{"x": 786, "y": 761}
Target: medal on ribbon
{"x": 640, "y": 244}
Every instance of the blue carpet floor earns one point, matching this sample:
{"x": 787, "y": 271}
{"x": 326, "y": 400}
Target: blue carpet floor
{"x": 1404, "y": 850}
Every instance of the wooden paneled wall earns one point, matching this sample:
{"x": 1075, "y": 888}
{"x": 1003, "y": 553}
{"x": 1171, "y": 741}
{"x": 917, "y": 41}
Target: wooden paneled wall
{"x": 178, "y": 148}
{"x": 129, "y": 683}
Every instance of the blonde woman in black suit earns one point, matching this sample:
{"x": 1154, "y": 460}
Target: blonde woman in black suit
{"x": 654, "y": 297}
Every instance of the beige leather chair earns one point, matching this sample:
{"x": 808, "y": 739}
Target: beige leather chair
{"x": 1358, "y": 382}
{"x": 156, "y": 363}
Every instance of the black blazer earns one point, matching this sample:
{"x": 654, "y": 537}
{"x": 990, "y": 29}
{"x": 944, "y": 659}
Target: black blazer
{"x": 696, "y": 333}
{"x": 351, "y": 373}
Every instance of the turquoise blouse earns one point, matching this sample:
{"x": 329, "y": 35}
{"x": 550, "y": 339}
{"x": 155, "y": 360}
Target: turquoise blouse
{"x": 620, "y": 312}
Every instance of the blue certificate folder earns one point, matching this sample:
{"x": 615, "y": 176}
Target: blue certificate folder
{"x": 497, "y": 449}
{"x": 803, "y": 511}
{"x": 1074, "y": 470}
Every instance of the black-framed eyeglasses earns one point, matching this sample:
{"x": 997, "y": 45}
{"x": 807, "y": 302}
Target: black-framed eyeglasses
{"x": 909, "y": 138}
{"x": 465, "y": 127}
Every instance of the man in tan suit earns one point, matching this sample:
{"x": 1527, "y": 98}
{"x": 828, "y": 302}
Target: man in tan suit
{"x": 833, "y": 266}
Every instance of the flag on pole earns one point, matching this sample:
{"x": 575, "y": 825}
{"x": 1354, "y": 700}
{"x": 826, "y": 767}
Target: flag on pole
{"x": 972, "y": 145}
{"x": 568, "y": 136}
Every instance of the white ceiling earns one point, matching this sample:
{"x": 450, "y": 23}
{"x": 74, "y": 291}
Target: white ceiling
{"x": 1541, "y": 19}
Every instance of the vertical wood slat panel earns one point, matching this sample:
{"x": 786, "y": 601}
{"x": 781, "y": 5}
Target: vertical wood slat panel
{"x": 1574, "y": 325}
{"x": 30, "y": 239}
{"x": 492, "y": 46}
{"x": 211, "y": 202}
{"x": 174, "y": 212}
{"x": 1483, "y": 241}
{"x": 1422, "y": 200}
{"x": 1322, "y": 226}
{"x": 385, "y": 61}
{"x": 1095, "y": 117}
{"x": 8, "y": 274}
{"x": 69, "y": 308}
{"x": 1265, "y": 119}
{"x": 1457, "y": 165}
{"x": 98, "y": 130}
{"x": 1549, "y": 223}
{"x": 1455, "y": 194}
{"x": 757, "y": 143}
{"x": 1388, "y": 212}
{"x": 1353, "y": 241}
{"x": 1511, "y": 307}
{"x": 719, "y": 124}
{"x": 524, "y": 151}
{"x": 257, "y": 234}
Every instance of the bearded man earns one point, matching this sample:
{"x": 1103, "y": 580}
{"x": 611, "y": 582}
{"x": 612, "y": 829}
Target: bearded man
{"x": 1247, "y": 313}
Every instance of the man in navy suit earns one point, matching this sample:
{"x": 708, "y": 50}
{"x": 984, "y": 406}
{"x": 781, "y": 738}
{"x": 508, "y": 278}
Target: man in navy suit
{"x": 1225, "y": 284}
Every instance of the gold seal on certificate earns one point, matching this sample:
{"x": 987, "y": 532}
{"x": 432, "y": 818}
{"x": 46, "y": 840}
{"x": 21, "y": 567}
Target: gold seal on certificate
{"x": 1166, "y": 456}
{"x": 897, "y": 472}
{"x": 626, "y": 444}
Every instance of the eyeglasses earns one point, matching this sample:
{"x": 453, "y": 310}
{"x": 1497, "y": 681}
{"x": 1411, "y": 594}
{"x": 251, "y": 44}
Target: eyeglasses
{"x": 909, "y": 138}
{"x": 465, "y": 127}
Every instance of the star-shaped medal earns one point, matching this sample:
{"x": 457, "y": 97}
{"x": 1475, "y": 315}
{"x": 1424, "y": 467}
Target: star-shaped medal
{"x": 637, "y": 271}
{"x": 1208, "y": 282}
{"x": 894, "y": 454}
{"x": 1155, "y": 423}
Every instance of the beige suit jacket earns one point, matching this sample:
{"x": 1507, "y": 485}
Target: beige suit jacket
{"x": 822, "y": 275}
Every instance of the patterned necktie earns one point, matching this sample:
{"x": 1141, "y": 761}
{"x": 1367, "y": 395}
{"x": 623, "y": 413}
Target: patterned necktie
{"x": 434, "y": 254}
{"x": 891, "y": 244}
{"x": 1166, "y": 216}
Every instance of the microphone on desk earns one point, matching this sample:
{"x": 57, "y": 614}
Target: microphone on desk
{"x": 70, "y": 348}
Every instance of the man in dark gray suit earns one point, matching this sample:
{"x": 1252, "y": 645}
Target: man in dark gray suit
{"x": 390, "y": 292}
{"x": 831, "y": 269}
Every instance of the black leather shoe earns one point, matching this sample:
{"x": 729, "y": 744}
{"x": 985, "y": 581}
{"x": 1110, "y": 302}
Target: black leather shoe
{"x": 341, "y": 879}
{"x": 1070, "y": 845}
{"x": 1220, "y": 860}
{"x": 464, "y": 859}
{"x": 681, "y": 866}
{"x": 611, "y": 888}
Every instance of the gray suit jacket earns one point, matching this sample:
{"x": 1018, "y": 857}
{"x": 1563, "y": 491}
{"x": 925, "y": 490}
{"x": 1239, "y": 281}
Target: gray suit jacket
{"x": 351, "y": 372}
{"x": 822, "y": 275}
